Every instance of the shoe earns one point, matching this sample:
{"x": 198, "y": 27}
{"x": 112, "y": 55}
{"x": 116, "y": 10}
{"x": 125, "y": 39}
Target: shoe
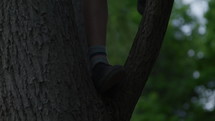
{"x": 140, "y": 6}
{"x": 106, "y": 76}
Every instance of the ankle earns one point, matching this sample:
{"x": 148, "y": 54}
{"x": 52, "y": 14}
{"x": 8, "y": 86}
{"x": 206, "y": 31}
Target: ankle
{"x": 97, "y": 54}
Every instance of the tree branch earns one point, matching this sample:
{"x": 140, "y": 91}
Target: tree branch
{"x": 143, "y": 55}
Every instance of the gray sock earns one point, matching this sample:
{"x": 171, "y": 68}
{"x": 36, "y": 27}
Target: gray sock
{"x": 97, "y": 54}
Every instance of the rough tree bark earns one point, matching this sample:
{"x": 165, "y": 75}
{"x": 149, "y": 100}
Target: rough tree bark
{"x": 44, "y": 75}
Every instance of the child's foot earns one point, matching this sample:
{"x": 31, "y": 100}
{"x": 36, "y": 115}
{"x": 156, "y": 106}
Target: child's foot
{"x": 106, "y": 76}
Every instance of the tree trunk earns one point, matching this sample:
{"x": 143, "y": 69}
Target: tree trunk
{"x": 44, "y": 74}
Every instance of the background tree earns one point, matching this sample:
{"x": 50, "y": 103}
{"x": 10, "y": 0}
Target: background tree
{"x": 43, "y": 70}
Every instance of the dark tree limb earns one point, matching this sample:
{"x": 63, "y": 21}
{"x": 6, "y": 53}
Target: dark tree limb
{"x": 143, "y": 54}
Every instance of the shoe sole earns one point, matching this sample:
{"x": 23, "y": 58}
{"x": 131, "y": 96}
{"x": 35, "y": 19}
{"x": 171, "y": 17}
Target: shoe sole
{"x": 112, "y": 78}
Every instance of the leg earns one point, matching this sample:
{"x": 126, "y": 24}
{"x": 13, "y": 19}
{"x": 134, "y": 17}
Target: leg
{"x": 104, "y": 75}
{"x": 141, "y": 6}
{"x": 96, "y": 14}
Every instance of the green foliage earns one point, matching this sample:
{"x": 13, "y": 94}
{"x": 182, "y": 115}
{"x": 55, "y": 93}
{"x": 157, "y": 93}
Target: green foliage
{"x": 182, "y": 82}
{"x": 123, "y": 23}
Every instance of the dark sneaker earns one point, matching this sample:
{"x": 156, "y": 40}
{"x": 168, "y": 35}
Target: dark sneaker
{"x": 106, "y": 76}
{"x": 141, "y": 6}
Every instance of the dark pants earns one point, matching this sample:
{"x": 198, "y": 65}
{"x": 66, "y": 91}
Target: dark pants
{"x": 141, "y": 6}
